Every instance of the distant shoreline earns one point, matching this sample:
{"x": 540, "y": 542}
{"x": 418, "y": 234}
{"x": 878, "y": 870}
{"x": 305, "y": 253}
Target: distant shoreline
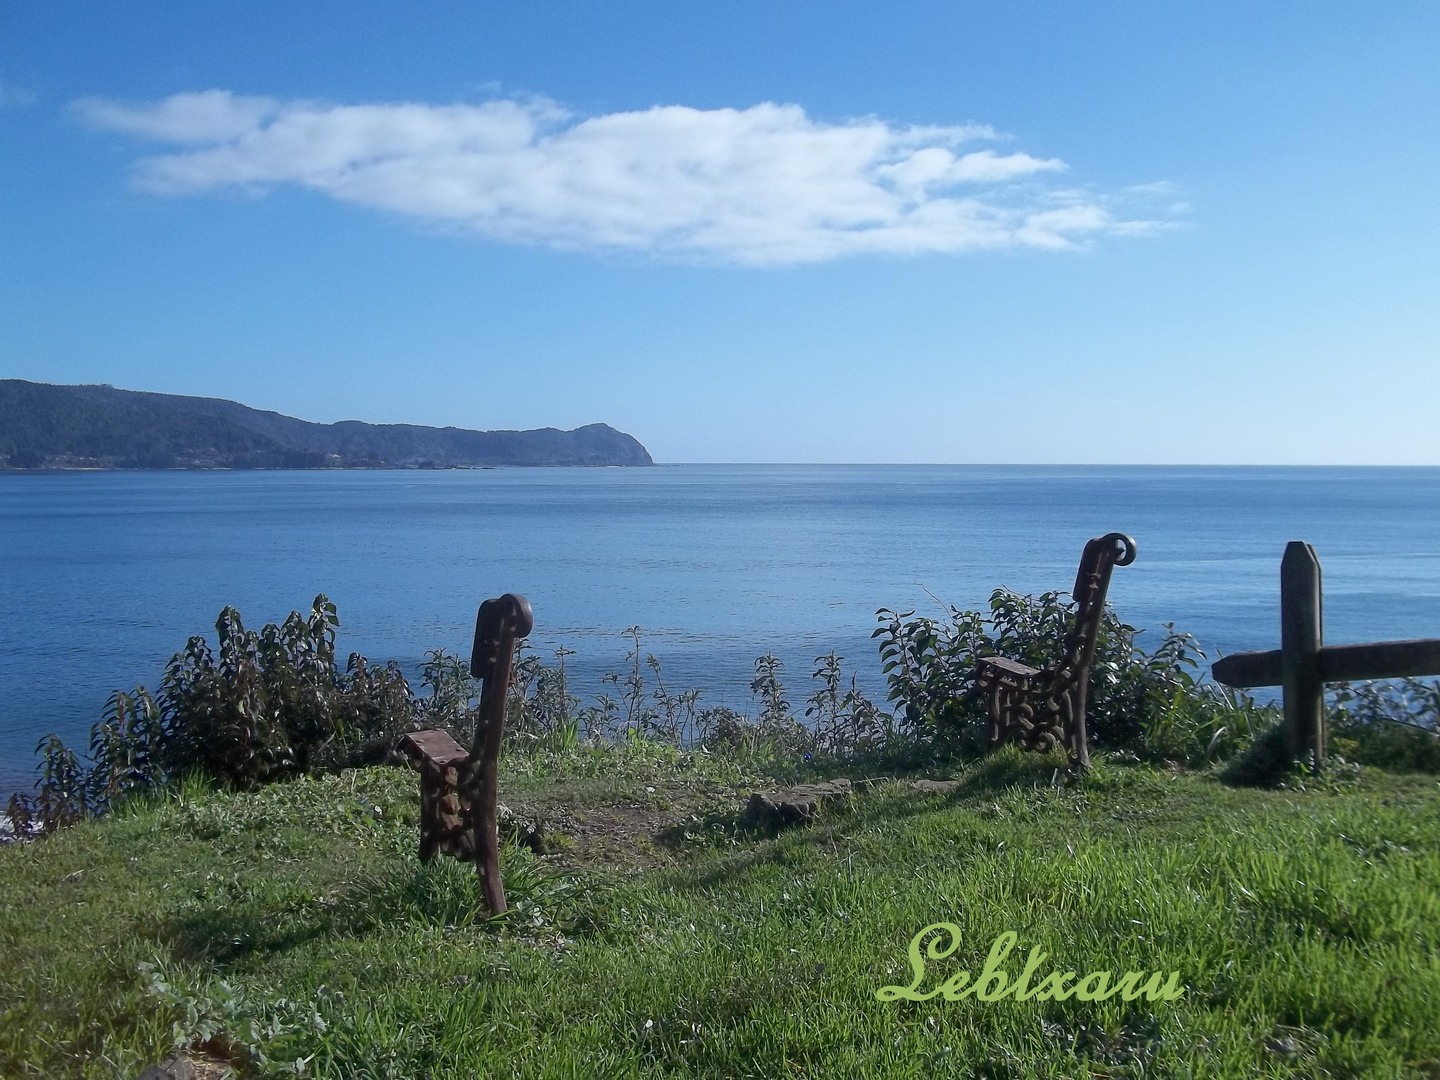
{"x": 64, "y": 469}
{"x": 52, "y": 428}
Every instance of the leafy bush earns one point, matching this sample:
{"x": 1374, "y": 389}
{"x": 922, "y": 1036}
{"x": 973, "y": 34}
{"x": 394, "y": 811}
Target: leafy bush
{"x": 259, "y": 707}
{"x": 1394, "y": 725}
{"x": 274, "y": 704}
{"x": 845, "y": 722}
{"x": 270, "y": 705}
{"x": 838, "y": 720}
{"x": 1154, "y": 703}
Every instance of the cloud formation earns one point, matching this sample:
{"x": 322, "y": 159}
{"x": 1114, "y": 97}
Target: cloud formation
{"x": 763, "y": 185}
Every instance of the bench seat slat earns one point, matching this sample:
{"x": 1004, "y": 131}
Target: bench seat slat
{"x": 1010, "y": 667}
{"x": 434, "y": 746}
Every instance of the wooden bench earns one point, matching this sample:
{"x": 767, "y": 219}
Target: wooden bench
{"x": 458, "y": 788}
{"x": 1042, "y": 708}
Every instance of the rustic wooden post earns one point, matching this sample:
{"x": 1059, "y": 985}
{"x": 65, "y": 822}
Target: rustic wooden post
{"x": 1304, "y": 663}
{"x": 1301, "y": 637}
{"x": 497, "y": 626}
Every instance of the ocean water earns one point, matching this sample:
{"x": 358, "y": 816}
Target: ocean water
{"x": 104, "y": 575}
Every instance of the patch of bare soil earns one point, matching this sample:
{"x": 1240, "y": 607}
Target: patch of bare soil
{"x": 595, "y": 825}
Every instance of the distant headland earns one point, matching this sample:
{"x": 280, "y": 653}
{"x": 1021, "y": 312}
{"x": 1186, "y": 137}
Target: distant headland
{"x": 43, "y": 426}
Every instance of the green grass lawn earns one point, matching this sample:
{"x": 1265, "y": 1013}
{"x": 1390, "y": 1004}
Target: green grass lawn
{"x": 292, "y": 928}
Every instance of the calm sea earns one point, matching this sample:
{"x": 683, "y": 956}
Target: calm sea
{"x": 104, "y": 575}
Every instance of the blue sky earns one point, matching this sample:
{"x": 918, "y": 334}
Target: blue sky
{"x": 1011, "y": 232}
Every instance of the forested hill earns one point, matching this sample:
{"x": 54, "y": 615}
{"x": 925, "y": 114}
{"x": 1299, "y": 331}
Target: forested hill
{"x": 46, "y": 426}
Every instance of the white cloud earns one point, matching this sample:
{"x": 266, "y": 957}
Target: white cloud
{"x": 763, "y": 185}
{"x": 208, "y": 117}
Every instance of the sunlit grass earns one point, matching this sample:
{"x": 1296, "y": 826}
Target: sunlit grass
{"x": 294, "y": 924}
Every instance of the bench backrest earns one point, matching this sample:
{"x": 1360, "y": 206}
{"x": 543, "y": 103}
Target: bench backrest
{"x": 1092, "y": 583}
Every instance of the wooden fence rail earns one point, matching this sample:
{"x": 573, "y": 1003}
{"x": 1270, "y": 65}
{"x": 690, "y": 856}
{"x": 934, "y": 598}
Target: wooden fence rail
{"x": 1304, "y": 663}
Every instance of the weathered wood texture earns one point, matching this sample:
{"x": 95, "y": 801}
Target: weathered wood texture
{"x": 1338, "y": 663}
{"x": 1304, "y": 663}
{"x": 444, "y": 767}
{"x": 459, "y": 788}
{"x": 1301, "y": 635}
{"x": 498, "y": 625}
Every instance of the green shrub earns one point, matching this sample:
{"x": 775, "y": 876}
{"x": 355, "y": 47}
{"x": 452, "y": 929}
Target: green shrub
{"x": 1157, "y": 704}
{"x": 259, "y": 707}
{"x": 1394, "y": 725}
{"x": 270, "y": 705}
{"x": 274, "y": 704}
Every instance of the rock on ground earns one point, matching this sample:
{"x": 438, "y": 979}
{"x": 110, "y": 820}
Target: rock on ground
{"x": 799, "y": 803}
